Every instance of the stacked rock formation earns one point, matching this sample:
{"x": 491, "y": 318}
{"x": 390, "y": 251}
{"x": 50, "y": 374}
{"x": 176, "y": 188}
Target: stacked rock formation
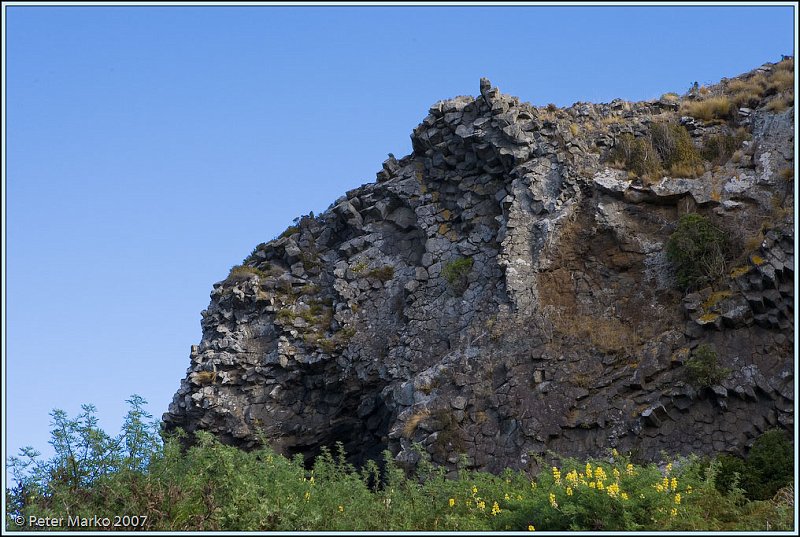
{"x": 504, "y": 291}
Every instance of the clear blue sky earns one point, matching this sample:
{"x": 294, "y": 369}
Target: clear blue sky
{"x": 149, "y": 149}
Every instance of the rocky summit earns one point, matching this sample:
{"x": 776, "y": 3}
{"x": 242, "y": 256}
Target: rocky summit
{"x": 508, "y": 290}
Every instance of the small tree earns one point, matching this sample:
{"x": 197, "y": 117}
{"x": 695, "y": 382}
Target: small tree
{"x": 698, "y": 251}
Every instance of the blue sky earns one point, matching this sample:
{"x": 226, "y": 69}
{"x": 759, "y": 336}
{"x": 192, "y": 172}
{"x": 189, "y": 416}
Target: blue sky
{"x": 149, "y": 149}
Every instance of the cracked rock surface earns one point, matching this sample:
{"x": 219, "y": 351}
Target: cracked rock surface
{"x": 504, "y": 291}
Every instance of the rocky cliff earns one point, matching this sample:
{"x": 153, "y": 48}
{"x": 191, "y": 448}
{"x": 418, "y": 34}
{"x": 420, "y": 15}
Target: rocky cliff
{"x": 505, "y": 290}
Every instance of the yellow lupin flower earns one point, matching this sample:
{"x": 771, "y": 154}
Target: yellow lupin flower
{"x": 624, "y": 495}
{"x": 307, "y": 495}
{"x": 659, "y": 487}
{"x": 616, "y": 475}
{"x": 669, "y": 468}
{"x": 599, "y": 485}
{"x": 572, "y": 477}
{"x": 507, "y": 497}
{"x": 592, "y": 484}
{"x": 588, "y": 470}
{"x": 474, "y": 489}
{"x": 481, "y": 505}
{"x": 673, "y": 484}
{"x": 614, "y": 452}
{"x": 533, "y": 484}
{"x": 531, "y": 528}
{"x": 688, "y": 489}
{"x": 341, "y": 508}
{"x": 569, "y": 491}
{"x": 613, "y": 490}
{"x": 553, "y": 500}
{"x": 678, "y": 498}
{"x": 495, "y": 509}
{"x": 556, "y": 474}
{"x": 673, "y": 512}
{"x": 452, "y": 502}
{"x": 629, "y": 469}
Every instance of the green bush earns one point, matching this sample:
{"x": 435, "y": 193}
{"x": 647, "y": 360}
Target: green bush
{"x": 703, "y": 367}
{"x": 456, "y": 273}
{"x": 674, "y": 145}
{"x": 770, "y": 465}
{"x": 698, "y": 250}
{"x": 213, "y": 487}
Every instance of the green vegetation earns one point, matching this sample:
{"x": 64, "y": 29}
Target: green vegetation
{"x": 456, "y": 273}
{"x": 384, "y": 273}
{"x": 703, "y": 367}
{"x": 698, "y": 250}
{"x": 210, "y": 486}
{"x": 246, "y": 271}
{"x": 289, "y": 231}
{"x": 718, "y": 148}
{"x": 667, "y": 148}
{"x": 766, "y": 469}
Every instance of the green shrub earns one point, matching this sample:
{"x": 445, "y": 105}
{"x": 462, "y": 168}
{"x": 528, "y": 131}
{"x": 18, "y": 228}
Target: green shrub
{"x": 703, "y": 367}
{"x": 209, "y": 486}
{"x": 698, "y": 250}
{"x": 769, "y": 466}
{"x": 456, "y": 273}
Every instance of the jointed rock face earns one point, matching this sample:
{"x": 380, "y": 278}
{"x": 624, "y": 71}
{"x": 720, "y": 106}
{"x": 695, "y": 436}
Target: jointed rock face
{"x": 503, "y": 291}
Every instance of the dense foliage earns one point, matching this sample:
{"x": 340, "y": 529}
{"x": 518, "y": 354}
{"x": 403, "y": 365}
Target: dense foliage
{"x": 136, "y": 480}
{"x": 698, "y": 249}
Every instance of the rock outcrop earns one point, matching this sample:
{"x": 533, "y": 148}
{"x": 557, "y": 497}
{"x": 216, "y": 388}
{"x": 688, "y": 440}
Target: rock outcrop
{"x": 504, "y": 291}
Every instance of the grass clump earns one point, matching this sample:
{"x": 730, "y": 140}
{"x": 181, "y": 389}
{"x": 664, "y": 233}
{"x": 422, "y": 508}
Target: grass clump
{"x": 698, "y": 251}
{"x": 384, "y": 273}
{"x": 456, "y": 273}
{"x": 245, "y": 271}
{"x": 712, "y": 108}
{"x": 667, "y": 148}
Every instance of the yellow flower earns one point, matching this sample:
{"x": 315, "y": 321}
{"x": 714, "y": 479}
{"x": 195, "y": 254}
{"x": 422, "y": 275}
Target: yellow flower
{"x": 531, "y": 528}
{"x": 452, "y": 502}
{"x": 572, "y": 477}
{"x": 674, "y": 484}
{"x": 688, "y": 489}
{"x": 616, "y": 475}
{"x": 673, "y": 512}
{"x": 669, "y": 468}
{"x": 341, "y": 508}
{"x": 569, "y": 491}
{"x": 474, "y": 489}
{"x": 556, "y": 474}
{"x": 481, "y": 505}
{"x": 614, "y": 452}
{"x": 629, "y": 469}
{"x": 659, "y": 487}
{"x": 311, "y": 480}
{"x": 624, "y": 495}
{"x": 533, "y": 484}
{"x": 553, "y": 500}
{"x": 495, "y": 509}
{"x": 307, "y": 495}
{"x": 588, "y": 470}
{"x": 507, "y": 497}
{"x": 591, "y": 484}
{"x": 613, "y": 490}
{"x": 599, "y": 485}
{"x": 678, "y": 498}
